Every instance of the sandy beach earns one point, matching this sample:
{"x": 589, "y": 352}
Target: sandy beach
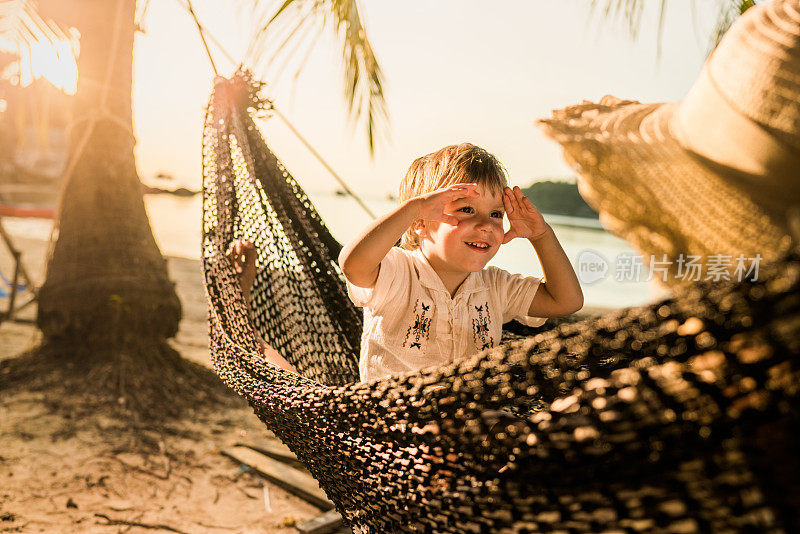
{"x": 96, "y": 475}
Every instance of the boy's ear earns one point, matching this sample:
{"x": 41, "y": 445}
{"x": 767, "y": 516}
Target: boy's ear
{"x": 419, "y": 227}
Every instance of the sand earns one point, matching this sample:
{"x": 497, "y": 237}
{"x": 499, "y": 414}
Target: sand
{"x": 62, "y": 475}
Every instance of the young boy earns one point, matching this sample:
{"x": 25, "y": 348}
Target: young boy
{"x": 433, "y": 300}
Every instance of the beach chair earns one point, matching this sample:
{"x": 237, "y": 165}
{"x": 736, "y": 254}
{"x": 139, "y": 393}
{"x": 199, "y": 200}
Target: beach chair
{"x": 18, "y": 285}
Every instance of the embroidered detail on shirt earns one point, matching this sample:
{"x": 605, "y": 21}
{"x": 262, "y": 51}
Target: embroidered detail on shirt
{"x": 419, "y": 330}
{"x": 480, "y": 327}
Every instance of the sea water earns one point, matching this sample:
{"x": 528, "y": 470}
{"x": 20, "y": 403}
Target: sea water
{"x": 176, "y": 223}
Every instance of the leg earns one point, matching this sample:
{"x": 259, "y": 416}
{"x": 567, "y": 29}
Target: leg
{"x": 243, "y": 257}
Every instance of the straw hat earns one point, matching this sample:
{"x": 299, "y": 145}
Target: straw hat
{"x": 714, "y": 174}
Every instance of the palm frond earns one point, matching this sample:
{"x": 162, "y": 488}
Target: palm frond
{"x": 44, "y": 49}
{"x": 631, "y": 12}
{"x": 294, "y": 27}
{"x": 728, "y": 13}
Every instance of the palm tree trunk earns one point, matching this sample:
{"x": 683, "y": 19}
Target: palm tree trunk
{"x": 106, "y": 283}
{"x": 107, "y": 305}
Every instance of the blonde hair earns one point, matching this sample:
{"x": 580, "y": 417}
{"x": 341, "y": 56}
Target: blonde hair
{"x": 455, "y": 164}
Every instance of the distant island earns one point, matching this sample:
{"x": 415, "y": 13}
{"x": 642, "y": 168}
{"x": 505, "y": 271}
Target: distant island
{"x": 180, "y": 191}
{"x": 559, "y": 197}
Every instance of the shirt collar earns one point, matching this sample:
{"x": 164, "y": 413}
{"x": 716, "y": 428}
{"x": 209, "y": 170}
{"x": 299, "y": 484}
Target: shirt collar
{"x": 428, "y": 277}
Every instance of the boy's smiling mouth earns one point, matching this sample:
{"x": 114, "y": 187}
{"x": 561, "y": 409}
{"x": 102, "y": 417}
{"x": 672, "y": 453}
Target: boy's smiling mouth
{"x": 478, "y": 245}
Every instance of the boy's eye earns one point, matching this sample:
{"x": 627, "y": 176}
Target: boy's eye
{"x": 497, "y": 214}
{"x": 466, "y": 209}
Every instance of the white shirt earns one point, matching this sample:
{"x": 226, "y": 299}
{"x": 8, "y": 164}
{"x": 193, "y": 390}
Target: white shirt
{"x": 411, "y": 322}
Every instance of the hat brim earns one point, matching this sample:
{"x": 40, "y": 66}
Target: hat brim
{"x": 666, "y": 201}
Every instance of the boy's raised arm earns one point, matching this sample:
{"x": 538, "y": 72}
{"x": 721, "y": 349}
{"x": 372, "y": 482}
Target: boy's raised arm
{"x": 360, "y": 259}
{"x": 560, "y": 294}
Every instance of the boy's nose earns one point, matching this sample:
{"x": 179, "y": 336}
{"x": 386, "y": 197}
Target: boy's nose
{"x": 483, "y": 221}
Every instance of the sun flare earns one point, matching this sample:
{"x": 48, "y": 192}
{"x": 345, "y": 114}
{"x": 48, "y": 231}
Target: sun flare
{"x": 53, "y": 61}
{"x": 47, "y": 52}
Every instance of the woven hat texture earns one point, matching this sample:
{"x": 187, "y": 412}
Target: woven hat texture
{"x": 714, "y": 175}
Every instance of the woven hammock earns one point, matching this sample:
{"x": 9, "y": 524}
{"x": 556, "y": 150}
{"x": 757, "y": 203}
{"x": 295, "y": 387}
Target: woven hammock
{"x": 673, "y": 417}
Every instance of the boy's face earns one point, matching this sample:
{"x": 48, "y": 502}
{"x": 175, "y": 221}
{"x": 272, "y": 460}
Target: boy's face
{"x": 469, "y": 245}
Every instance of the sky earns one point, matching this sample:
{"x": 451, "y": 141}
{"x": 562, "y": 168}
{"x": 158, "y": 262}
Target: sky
{"x": 455, "y": 70}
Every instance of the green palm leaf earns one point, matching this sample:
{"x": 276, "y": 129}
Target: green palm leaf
{"x": 296, "y": 25}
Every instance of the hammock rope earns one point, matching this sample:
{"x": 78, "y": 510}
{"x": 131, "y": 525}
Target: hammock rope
{"x": 677, "y": 416}
{"x": 203, "y": 31}
{"x": 202, "y": 36}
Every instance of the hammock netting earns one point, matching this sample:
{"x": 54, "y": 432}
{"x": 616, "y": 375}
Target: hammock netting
{"x": 672, "y": 417}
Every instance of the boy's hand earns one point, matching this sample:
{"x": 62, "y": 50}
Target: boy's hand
{"x": 525, "y": 219}
{"x": 437, "y": 205}
{"x": 242, "y": 256}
